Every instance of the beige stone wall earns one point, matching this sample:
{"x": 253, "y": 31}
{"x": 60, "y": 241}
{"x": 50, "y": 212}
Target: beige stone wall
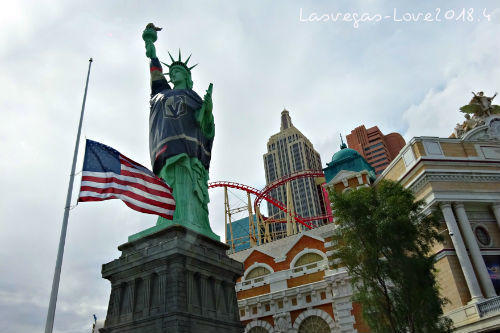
{"x": 458, "y": 149}
{"x": 419, "y": 169}
{"x": 459, "y": 186}
{"x": 470, "y": 149}
{"x": 396, "y": 171}
{"x": 481, "y": 167}
{"x": 453, "y": 149}
{"x": 446, "y": 243}
{"x": 418, "y": 149}
{"x": 452, "y": 283}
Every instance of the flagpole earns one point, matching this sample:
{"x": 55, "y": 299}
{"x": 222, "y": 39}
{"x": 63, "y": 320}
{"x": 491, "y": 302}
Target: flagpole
{"x": 49, "y": 323}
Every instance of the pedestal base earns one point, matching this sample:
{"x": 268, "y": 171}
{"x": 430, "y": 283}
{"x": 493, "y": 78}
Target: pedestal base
{"x": 174, "y": 280}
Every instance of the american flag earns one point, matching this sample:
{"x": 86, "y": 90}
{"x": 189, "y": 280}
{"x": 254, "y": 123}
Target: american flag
{"x": 107, "y": 174}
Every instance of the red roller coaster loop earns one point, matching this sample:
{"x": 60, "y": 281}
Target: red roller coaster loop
{"x": 287, "y": 178}
{"x": 258, "y": 194}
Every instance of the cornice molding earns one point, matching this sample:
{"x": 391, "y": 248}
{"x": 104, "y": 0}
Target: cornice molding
{"x": 462, "y": 177}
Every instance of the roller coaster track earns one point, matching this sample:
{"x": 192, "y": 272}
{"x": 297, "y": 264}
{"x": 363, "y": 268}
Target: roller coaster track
{"x": 281, "y": 181}
{"x": 259, "y": 195}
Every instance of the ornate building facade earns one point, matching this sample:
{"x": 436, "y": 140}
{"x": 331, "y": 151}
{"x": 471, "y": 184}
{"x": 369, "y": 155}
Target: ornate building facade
{"x": 461, "y": 178}
{"x": 289, "y": 286}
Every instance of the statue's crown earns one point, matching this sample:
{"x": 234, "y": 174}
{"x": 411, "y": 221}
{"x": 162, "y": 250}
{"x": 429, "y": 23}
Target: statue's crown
{"x": 179, "y": 62}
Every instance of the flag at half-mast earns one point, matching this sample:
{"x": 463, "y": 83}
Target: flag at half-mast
{"x": 107, "y": 174}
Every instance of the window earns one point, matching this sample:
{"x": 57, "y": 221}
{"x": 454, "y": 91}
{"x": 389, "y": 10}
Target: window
{"x": 307, "y": 259}
{"x": 375, "y": 145}
{"x": 378, "y": 155}
{"x": 257, "y": 272}
{"x": 373, "y": 151}
{"x": 482, "y": 236}
{"x": 379, "y": 160}
{"x": 314, "y": 324}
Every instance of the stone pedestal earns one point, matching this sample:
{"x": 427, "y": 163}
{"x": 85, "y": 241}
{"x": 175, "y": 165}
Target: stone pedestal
{"x": 174, "y": 280}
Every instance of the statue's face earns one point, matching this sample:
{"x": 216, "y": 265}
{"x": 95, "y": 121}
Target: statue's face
{"x": 178, "y": 75}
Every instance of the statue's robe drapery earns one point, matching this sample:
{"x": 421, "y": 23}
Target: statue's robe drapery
{"x": 180, "y": 141}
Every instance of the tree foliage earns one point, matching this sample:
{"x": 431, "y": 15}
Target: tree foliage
{"x": 384, "y": 241}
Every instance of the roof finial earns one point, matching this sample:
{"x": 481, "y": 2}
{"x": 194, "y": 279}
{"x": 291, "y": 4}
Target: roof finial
{"x": 342, "y": 144}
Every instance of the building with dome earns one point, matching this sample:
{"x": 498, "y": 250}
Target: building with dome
{"x": 290, "y": 284}
{"x": 348, "y": 170}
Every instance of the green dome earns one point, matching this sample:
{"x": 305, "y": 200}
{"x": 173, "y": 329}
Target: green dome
{"x": 347, "y": 159}
{"x": 343, "y": 154}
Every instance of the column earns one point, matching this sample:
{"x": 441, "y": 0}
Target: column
{"x": 475, "y": 253}
{"x": 463, "y": 258}
{"x": 496, "y": 211}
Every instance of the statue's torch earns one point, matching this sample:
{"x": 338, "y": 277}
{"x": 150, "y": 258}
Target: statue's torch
{"x": 150, "y": 36}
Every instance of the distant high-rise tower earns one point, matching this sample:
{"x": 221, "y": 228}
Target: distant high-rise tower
{"x": 378, "y": 149}
{"x": 290, "y": 151}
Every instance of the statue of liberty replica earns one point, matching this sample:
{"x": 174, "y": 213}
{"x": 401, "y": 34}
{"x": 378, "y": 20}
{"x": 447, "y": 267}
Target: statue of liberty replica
{"x": 175, "y": 277}
{"x": 181, "y": 133}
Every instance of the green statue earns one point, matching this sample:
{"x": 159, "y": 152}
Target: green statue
{"x": 181, "y": 133}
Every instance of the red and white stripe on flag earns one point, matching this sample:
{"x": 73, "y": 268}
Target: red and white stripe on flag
{"x": 134, "y": 184}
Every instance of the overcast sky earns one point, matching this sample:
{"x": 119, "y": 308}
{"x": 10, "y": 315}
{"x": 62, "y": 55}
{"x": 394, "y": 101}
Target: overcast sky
{"x": 262, "y": 56}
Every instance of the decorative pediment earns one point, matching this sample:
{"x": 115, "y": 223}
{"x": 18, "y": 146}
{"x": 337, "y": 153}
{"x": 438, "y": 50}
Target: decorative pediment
{"x": 254, "y": 250}
{"x": 296, "y": 241}
{"x": 344, "y": 175}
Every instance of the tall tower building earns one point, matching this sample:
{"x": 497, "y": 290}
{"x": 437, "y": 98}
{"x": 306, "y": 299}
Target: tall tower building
{"x": 378, "y": 149}
{"x": 290, "y": 151}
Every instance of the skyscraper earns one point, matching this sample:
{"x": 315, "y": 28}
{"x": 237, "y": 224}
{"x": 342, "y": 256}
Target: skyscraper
{"x": 378, "y": 149}
{"x": 240, "y": 230}
{"x": 290, "y": 151}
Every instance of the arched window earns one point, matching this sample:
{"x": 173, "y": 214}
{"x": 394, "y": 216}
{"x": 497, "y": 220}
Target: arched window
{"x": 257, "y": 272}
{"x": 307, "y": 259}
{"x": 258, "y": 326}
{"x": 314, "y": 324}
{"x": 258, "y": 329}
{"x": 347, "y": 190}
